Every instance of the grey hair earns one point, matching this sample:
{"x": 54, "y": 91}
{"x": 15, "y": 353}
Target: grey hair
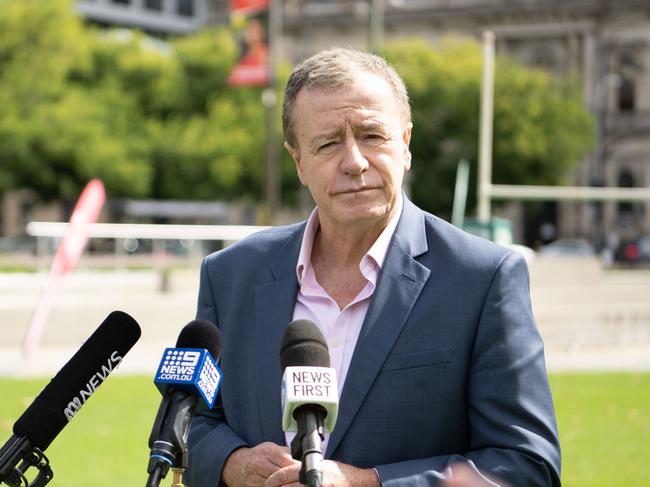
{"x": 334, "y": 69}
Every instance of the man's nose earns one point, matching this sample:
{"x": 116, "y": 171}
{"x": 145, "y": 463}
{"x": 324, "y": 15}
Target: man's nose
{"x": 354, "y": 162}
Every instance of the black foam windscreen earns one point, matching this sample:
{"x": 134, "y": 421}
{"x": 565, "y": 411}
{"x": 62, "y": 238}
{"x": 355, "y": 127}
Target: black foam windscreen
{"x": 303, "y": 345}
{"x": 77, "y": 380}
{"x": 201, "y": 334}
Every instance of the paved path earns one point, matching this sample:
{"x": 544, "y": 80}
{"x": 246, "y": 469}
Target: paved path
{"x": 590, "y": 319}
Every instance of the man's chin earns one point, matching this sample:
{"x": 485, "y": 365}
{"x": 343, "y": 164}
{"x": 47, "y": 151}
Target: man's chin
{"x": 365, "y": 214}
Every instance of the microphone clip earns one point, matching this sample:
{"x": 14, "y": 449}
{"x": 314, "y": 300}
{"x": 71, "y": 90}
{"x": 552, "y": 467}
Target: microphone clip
{"x": 168, "y": 439}
{"x": 16, "y": 457}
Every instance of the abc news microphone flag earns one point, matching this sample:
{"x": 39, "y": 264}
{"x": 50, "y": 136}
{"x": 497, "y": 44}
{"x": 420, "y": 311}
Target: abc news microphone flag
{"x": 62, "y": 398}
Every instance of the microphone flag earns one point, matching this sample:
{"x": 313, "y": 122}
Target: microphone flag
{"x": 192, "y": 370}
{"x": 309, "y": 385}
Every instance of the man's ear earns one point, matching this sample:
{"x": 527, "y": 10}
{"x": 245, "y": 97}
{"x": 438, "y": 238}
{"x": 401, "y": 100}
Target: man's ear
{"x": 406, "y": 138}
{"x": 295, "y": 155}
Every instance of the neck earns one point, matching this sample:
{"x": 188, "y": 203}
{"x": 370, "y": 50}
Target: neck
{"x": 345, "y": 246}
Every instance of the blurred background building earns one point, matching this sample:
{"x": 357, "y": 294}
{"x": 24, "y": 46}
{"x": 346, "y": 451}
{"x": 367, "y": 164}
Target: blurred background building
{"x": 605, "y": 43}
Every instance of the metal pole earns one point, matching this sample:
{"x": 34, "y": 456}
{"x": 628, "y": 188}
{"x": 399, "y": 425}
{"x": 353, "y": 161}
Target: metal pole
{"x": 269, "y": 98}
{"x": 460, "y": 193}
{"x": 567, "y": 193}
{"x": 485, "y": 135}
{"x": 376, "y": 27}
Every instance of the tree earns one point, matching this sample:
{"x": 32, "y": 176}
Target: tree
{"x": 541, "y": 128}
{"x": 55, "y": 133}
{"x": 150, "y": 118}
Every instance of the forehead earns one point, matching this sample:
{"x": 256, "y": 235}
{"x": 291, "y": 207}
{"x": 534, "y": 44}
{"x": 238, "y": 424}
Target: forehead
{"x": 368, "y": 98}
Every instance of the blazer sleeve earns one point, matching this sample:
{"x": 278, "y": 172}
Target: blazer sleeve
{"x": 512, "y": 430}
{"x": 211, "y": 440}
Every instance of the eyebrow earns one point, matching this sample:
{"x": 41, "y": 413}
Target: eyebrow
{"x": 367, "y": 125}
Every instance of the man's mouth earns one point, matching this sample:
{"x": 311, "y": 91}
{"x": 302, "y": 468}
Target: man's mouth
{"x": 355, "y": 190}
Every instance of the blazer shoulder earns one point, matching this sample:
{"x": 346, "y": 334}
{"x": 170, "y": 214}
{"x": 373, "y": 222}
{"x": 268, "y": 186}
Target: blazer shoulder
{"x": 445, "y": 239}
{"x": 265, "y": 244}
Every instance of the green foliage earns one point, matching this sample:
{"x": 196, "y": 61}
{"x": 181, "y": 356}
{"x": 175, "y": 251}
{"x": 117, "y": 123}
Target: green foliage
{"x": 149, "y": 118}
{"x": 541, "y": 129}
{"x": 57, "y": 132}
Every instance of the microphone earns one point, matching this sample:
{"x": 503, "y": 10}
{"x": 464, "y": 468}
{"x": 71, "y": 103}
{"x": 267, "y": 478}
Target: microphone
{"x": 62, "y": 399}
{"x": 186, "y": 374}
{"x": 309, "y": 396}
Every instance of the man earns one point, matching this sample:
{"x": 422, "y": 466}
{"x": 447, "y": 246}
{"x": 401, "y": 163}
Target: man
{"x": 430, "y": 329}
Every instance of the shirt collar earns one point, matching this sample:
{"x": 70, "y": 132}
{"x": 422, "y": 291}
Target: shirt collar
{"x": 377, "y": 252}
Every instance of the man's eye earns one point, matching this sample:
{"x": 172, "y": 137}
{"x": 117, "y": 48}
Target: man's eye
{"x": 327, "y": 145}
{"x": 373, "y": 138}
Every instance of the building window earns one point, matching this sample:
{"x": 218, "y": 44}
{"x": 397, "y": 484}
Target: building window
{"x": 626, "y": 95}
{"x": 185, "y": 8}
{"x": 156, "y": 5}
{"x": 122, "y": 2}
{"x": 628, "y": 68}
{"x": 626, "y": 180}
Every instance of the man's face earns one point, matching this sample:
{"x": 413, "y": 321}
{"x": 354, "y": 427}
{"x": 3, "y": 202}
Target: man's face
{"x": 352, "y": 150}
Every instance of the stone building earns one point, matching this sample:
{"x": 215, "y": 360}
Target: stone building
{"x": 607, "y": 43}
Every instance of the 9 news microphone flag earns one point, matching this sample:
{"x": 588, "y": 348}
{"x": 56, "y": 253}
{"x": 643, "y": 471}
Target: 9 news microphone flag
{"x": 85, "y": 212}
{"x": 187, "y": 373}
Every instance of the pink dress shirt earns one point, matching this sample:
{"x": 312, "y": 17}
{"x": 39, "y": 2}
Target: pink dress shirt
{"x": 340, "y": 327}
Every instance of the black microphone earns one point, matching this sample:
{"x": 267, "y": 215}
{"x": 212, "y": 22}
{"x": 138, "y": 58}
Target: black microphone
{"x": 186, "y": 373}
{"x": 62, "y": 398}
{"x": 309, "y": 396}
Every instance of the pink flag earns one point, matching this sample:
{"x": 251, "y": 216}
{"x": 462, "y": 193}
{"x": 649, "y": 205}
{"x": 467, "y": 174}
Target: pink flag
{"x": 85, "y": 212}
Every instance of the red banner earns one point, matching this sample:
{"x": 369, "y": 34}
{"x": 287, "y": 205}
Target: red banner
{"x": 248, "y": 7}
{"x": 252, "y": 68}
{"x": 85, "y": 212}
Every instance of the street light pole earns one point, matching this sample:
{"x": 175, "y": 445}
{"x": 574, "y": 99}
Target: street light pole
{"x": 486, "y": 124}
{"x": 269, "y": 99}
{"x": 599, "y": 176}
{"x": 376, "y": 26}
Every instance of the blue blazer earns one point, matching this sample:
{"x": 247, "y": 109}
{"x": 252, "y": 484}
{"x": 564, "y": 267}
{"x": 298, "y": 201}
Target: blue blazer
{"x": 448, "y": 367}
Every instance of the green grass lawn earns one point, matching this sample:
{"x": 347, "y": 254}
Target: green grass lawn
{"x": 604, "y": 422}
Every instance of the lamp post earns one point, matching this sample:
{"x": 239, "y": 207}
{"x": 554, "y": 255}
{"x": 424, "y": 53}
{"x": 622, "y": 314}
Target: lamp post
{"x": 599, "y": 177}
{"x": 601, "y": 95}
{"x": 376, "y": 26}
{"x": 269, "y": 99}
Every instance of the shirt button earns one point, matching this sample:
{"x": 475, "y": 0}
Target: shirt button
{"x": 336, "y": 343}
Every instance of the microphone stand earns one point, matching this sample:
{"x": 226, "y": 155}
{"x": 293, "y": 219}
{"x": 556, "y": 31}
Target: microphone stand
{"x": 178, "y": 477}
{"x": 307, "y": 445}
{"x": 168, "y": 439}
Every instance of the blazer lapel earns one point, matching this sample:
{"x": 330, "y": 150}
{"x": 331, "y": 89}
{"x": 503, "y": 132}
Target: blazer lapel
{"x": 274, "y": 303}
{"x": 401, "y": 281}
